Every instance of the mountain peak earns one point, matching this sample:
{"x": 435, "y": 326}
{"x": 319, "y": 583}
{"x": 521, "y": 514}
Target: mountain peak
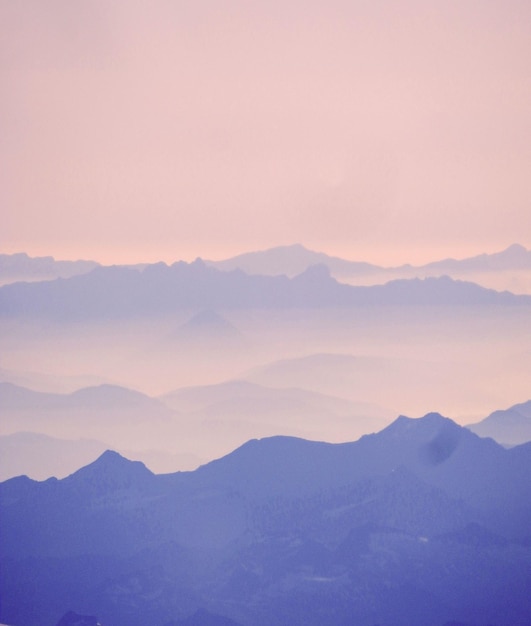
{"x": 112, "y": 457}
{"x": 515, "y": 248}
{"x": 106, "y": 395}
{"x": 506, "y": 426}
{"x": 428, "y": 425}
{"x": 317, "y": 271}
{"x": 208, "y": 318}
{"x": 112, "y": 470}
{"x": 293, "y": 247}
{"x": 111, "y": 460}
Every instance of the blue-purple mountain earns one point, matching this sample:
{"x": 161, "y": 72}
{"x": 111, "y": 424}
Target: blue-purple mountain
{"x": 115, "y": 292}
{"x": 510, "y": 426}
{"x": 421, "y": 524}
{"x": 289, "y": 260}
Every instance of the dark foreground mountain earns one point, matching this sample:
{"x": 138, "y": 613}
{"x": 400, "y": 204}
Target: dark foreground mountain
{"x": 118, "y": 292}
{"x": 204, "y": 618}
{"x": 421, "y": 524}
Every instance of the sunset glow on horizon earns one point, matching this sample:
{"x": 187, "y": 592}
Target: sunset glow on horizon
{"x": 376, "y": 131}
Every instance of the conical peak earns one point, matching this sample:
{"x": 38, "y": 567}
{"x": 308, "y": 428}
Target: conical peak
{"x": 113, "y": 469}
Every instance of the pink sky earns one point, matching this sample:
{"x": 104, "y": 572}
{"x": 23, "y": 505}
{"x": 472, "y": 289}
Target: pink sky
{"x": 387, "y": 131}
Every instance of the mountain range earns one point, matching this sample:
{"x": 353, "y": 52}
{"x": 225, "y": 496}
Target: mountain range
{"x": 100, "y": 397}
{"x": 118, "y": 292}
{"x": 421, "y": 524}
{"x": 510, "y": 426}
{"x": 46, "y": 434}
{"x": 291, "y": 261}
{"x": 21, "y": 267}
{"x": 295, "y": 259}
{"x": 288, "y": 260}
{"x": 41, "y": 456}
{"x": 41, "y": 431}
{"x": 121, "y": 417}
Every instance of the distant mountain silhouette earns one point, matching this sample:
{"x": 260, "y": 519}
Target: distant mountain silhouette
{"x": 295, "y": 259}
{"x": 237, "y": 410}
{"x": 21, "y": 267}
{"x": 515, "y": 257}
{"x": 232, "y": 392}
{"x": 17, "y": 397}
{"x": 490, "y": 269}
{"x": 121, "y": 417}
{"x": 358, "y": 377}
{"x": 421, "y": 524}
{"x": 108, "y": 397}
{"x": 208, "y": 420}
{"x": 209, "y": 320}
{"x": 41, "y": 456}
{"x": 117, "y": 292}
{"x": 50, "y": 382}
{"x": 112, "y": 396}
{"x": 290, "y": 261}
{"x": 508, "y": 426}
{"x": 207, "y": 327}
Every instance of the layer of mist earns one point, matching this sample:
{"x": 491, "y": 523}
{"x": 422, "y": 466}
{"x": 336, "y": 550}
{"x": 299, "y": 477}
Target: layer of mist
{"x": 327, "y": 374}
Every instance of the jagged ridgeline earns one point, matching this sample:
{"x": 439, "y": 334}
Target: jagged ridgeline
{"x": 108, "y": 292}
{"x": 421, "y": 524}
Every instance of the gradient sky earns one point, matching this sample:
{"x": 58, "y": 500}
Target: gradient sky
{"x": 386, "y": 131}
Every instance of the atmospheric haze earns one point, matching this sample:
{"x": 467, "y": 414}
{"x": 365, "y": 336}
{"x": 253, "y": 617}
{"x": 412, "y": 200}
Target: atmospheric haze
{"x": 177, "y": 365}
{"x": 265, "y": 303}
